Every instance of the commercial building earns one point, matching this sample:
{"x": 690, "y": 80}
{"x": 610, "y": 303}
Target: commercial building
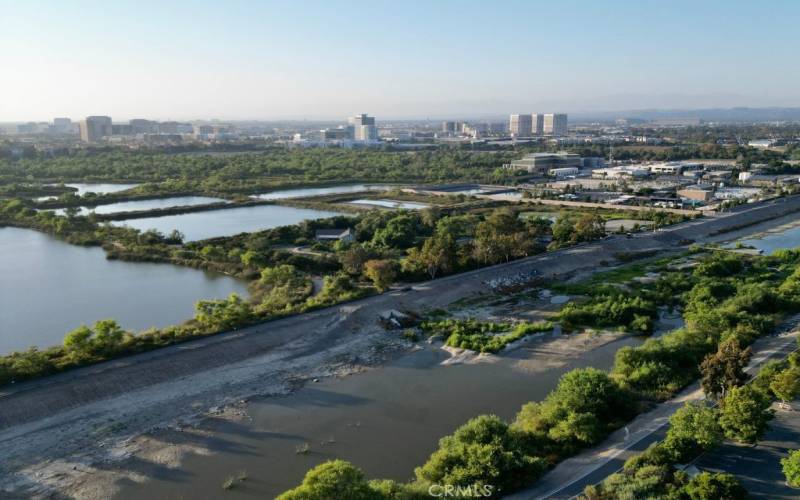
{"x": 696, "y": 193}
{"x": 622, "y": 172}
{"x": 94, "y": 128}
{"x": 142, "y": 126}
{"x": 560, "y": 173}
{"x": 537, "y": 124}
{"x": 520, "y": 125}
{"x": 62, "y": 126}
{"x": 542, "y": 163}
{"x": 364, "y": 128}
{"x": 450, "y": 127}
{"x": 555, "y": 124}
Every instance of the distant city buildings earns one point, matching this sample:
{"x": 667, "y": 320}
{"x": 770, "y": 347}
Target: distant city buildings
{"x": 364, "y": 128}
{"x": 555, "y": 124}
{"x": 551, "y": 124}
{"x": 94, "y": 128}
{"x": 63, "y": 126}
{"x": 520, "y": 125}
{"x": 537, "y": 124}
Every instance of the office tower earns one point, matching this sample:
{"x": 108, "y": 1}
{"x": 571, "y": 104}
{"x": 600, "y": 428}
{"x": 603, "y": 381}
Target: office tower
{"x": 520, "y": 125}
{"x": 62, "y": 125}
{"x": 364, "y": 128}
{"x": 555, "y": 124}
{"x": 450, "y": 127}
{"x": 93, "y": 128}
{"x": 537, "y": 122}
{"x": 141, "y": 126}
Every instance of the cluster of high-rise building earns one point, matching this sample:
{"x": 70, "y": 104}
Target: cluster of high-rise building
{"x": 359, "y": 128}
{"x": 95, "y": 128}
{"x": 536, "y": 124}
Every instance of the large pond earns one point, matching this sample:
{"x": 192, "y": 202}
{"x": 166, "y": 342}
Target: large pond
{"x": 133, "y": 206}
{"x": 408, "y": 205}
{"x": 99, "y": 188}
{"x": 790, "y": 238}
{"x": 48, "y": 287}
{"x": 385, "y": 421}
{"x": 302, "y": 192}
{"x": 202, "y": 225}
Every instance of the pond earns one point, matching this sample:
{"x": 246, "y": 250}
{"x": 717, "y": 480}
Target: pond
{"x": 790, "y": 238}
{"x": 408, "y": 205}
{"x": 213, "y": 223}
{"x": 319, "y": 191}
{"x": 49, "y": 287}
{"x": 99, "y": 188}
{"x": 136, "y": 205}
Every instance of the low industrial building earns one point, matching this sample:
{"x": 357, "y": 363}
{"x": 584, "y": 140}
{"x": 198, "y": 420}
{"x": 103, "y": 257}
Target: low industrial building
{"x": 541, "y": 163}
{"x": 696, "y": 193}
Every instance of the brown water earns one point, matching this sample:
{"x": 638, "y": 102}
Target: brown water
{"x": 386, "y": 421}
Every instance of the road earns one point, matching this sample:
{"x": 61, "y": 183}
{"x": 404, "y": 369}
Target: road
{"x": 571, "y": 476}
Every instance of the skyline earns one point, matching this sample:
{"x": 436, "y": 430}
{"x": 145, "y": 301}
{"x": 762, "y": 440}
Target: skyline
{"x": 273, "y": 61}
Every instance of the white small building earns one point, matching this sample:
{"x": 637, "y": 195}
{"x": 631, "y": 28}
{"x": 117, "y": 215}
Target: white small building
{"x": 622, "y": 172}
{"x": 560, "y": 173}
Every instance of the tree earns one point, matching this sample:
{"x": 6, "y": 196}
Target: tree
{"x": 745, "y": 414}
{"x": 382, "y": 273}
{"x": 105, "y": 337}
{"x": 693, "y": 428}
{"x": 399, "y": 232}
{"x": 333, "y": 479}
{"x": 715, "y": 486}
{"x": 484, "y": 451}
{"x": 353, "y": 259}
{"x": 791, "y": 468}
{"x": 786, "y": 385}
{"x": 725, "y": 368}
{"x": 438, "y": 253}
{"x": 223, "y": 314}
{"x": 589, "y": 227}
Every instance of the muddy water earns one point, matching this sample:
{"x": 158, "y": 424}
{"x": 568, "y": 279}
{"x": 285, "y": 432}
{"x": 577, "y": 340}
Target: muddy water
{"x": 386, "y": 421}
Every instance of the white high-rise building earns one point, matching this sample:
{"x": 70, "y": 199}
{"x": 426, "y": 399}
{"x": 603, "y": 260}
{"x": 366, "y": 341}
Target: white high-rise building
{"x": 555, "y": 124}
{"x": 520, "y": 125}
{"x": 364, "y": 128}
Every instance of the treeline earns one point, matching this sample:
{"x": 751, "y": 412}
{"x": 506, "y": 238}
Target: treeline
{"x": 274, "y": 167}
{"x": 727, "y": 298}
{"x": 742, "y": 414}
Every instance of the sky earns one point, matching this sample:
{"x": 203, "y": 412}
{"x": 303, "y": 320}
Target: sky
{"x": 310, "y": 59}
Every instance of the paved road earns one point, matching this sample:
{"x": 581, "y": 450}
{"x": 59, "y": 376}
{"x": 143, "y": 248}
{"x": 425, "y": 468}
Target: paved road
{"x": 571, "y": 476}
{"x": 328, "y": 328}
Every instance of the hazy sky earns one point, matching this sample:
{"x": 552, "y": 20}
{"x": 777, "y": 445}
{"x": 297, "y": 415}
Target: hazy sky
{"x": 433, "y": 58}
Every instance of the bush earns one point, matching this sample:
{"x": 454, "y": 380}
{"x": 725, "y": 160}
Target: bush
{"x": 484, "y": 451}
{"x": 715, "y": 486}
{"x": 333, "y": 479}
{"x": 791, "y": 468}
